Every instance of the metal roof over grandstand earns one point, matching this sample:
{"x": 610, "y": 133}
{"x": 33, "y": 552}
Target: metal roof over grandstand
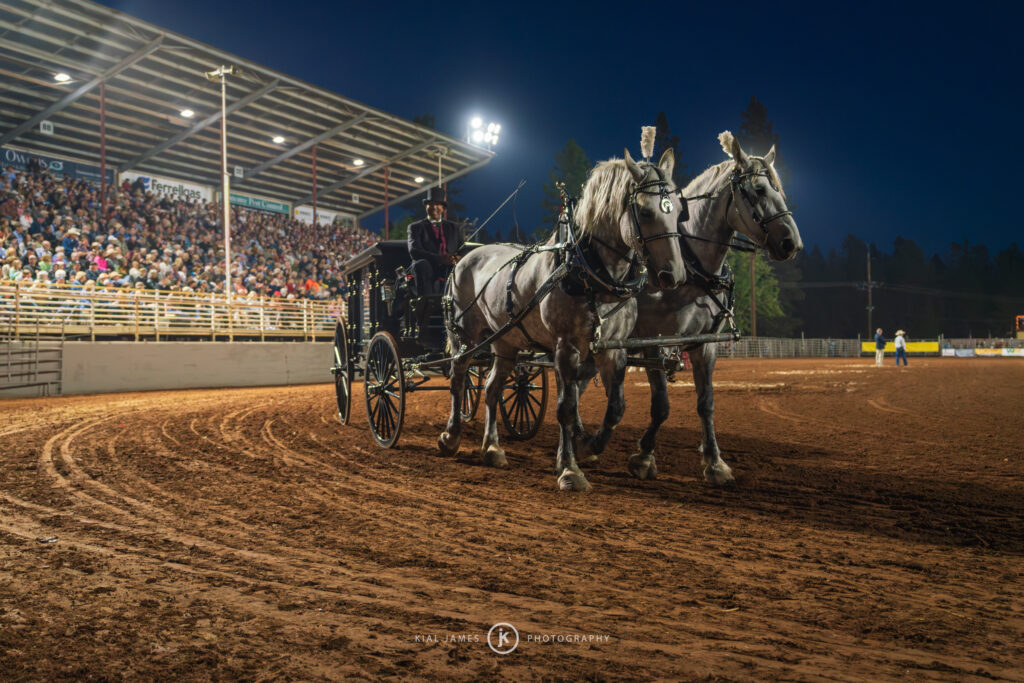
{"x": 152, "y": 75}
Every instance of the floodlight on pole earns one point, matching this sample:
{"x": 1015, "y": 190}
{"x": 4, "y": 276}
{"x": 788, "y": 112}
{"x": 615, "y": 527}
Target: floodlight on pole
{"x": 219, "y": 74}
{"x": 481, "y": 135}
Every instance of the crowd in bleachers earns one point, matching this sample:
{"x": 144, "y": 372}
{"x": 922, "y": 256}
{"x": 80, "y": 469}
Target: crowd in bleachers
{"x": 54, "y": 231}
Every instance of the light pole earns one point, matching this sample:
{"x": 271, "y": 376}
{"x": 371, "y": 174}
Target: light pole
{"x": 219, "y": 75}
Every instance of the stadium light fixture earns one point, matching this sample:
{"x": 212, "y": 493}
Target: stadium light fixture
{"x": 61, "y": 77}
{"x": 278, "y": 140}
{"x": 418, "y": 179}
{"x": 481, "y": 135}
{"x": 358, "y": 162}
{"x": 187, "y": 113}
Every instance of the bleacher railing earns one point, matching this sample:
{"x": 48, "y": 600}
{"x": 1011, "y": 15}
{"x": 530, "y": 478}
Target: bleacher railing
{"x": 109, "y": 312}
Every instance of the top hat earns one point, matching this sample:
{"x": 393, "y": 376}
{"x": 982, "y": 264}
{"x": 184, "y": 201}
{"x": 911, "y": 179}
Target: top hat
{"x": 435, "y": 195}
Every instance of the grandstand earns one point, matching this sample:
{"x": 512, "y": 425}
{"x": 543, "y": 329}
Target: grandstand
{"x": 110, "y": 216}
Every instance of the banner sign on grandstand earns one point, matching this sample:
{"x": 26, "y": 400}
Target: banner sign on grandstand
{"x": 988, "y": 352}
{"x": 948, "y": 353}
{"x": 64, "y": 168}
{"x": 1014, "y": 353}
{"x": 964, "y": 353}
{"x": 171, "y": 187}
{"x": 260, "y": 203}
{"x": 304, "y": 213}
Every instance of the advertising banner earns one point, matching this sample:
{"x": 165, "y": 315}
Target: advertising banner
{"x": 948, "y": 353}
{"x": 1013, "y": 353}
{"x": 63, "y": 168}
{"x": 304, "y": 213}
{"x": 912, "y": 347}
{"x": 247, "y": 201}
{"x": 988, "y": 352}
{"x": 964, "y": 353}
{"x": 171, "y": 187}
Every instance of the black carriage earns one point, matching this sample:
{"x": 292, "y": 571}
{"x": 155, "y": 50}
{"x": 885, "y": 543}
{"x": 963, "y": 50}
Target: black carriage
{"x": 380, "y": 339}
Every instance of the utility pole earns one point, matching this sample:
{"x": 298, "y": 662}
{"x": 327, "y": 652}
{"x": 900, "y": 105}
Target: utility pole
{"x": 871, "y": 329}
{"x": 753, "y": 299}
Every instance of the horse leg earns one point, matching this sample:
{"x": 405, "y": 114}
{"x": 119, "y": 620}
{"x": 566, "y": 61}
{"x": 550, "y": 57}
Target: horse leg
{"x": 586, "y": 456}
{"x": 493, "y": 454}
{"x": 715, "y": 470}
{"x": 567, "y": 360}
{"x": 642, "y": 465}
{"x": 612, "y": 365}
{"x": 448, "y": 442}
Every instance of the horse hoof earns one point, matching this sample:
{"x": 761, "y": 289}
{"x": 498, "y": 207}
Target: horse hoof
{"x": 573, "y": 480}
{"x": 718, "y": 474}
{"x": 448, "y": 444}
{"x": 643, "y": 467}
{"x": 494, "y": 456}
{"x": 588, "y": 461}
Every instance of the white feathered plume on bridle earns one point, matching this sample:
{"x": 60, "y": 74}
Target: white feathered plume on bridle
{"x": 647, "y": 141}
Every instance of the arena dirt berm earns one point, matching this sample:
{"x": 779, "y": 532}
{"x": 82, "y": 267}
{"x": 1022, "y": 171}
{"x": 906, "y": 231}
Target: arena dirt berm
{"x": 875, "y": 531}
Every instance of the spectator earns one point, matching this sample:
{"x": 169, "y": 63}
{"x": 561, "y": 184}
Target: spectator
{"x": 879, "y": 347}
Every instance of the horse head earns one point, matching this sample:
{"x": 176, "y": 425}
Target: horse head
{"x": 651, "y": 222}
{"x": 758, "y": 208}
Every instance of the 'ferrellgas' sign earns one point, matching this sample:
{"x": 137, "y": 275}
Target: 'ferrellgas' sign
{"x": 170, "y": 187}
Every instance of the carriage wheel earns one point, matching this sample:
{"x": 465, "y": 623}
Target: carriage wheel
{"x": 523, "y": 401}
{"x": 342, "y": 371}
{"x": 471, "y": 394}
{"x": 384, "y": 384}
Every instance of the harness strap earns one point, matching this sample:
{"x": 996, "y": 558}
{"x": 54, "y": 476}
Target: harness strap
{"x": 539, "y": 295}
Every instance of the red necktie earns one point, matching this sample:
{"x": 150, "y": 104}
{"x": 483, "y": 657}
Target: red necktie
{"x": 439, "y": 234}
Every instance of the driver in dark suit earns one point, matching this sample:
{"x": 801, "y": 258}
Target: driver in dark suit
{"x": 433, "y": 244}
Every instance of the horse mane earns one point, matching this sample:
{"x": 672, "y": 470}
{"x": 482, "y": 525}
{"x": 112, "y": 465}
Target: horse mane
{"x": 604, "y": 198}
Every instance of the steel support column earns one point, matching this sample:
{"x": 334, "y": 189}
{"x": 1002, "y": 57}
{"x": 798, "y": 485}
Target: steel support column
{"x": 103, "y": 150}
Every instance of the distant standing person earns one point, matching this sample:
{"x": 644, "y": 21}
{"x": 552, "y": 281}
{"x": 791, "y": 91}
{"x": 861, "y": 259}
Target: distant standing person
{"x": 879, "y": 347}
{"x": 901, "y": 348}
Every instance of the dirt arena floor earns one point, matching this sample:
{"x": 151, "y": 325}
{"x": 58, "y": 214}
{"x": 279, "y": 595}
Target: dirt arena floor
{"x": 876, "y": 531}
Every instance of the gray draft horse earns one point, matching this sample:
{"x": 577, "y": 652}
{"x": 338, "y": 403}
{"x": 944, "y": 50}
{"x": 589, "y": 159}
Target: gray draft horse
{"x": 741, "y": 195}
{"x": 625, "y": 210}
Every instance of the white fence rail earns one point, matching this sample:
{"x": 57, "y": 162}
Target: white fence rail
{"x": 779, "y": 347}
{"x": 33, "y": 308}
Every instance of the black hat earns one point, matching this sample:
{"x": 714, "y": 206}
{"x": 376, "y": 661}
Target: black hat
{"x": 435, "y": 195}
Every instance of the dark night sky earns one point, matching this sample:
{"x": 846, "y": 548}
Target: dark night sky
{"x": 893, "y": 119}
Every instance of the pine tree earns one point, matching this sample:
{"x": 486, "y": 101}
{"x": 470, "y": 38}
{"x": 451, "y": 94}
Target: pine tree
{"x": 571, "y": 167}
{"x": 768, "y": 308}
{"x": 757, "y": 135}
{"x": 663, "y": 139}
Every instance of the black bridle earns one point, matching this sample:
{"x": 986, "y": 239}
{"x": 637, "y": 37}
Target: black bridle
{"x": 599, "y": 275}
{"x": 741, "y": 182}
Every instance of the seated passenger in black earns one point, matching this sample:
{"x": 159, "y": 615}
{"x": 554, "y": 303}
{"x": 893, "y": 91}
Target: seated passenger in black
{"x": 433, "y": 244}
